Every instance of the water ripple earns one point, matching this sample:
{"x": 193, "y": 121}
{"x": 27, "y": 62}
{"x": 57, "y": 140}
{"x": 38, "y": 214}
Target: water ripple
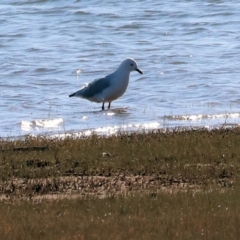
{"x": 188, "y": 51}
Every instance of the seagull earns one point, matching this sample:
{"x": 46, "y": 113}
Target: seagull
{"x": 111, "y": 87}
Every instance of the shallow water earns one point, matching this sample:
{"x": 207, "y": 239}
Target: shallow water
{"x": 189, "y": 52}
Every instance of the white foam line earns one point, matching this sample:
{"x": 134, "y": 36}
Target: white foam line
{"x": 40, "y": 124}
{"x": 207, "y": 116}
{"x": 110, "y": 130}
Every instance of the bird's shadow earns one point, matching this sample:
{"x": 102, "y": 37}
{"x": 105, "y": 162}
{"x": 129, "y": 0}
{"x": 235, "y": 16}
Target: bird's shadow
{"x": 116, "y": 111}
{"x": 110, "y": 112}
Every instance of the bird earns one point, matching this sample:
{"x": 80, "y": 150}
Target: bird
{"x": 111, "y": 87}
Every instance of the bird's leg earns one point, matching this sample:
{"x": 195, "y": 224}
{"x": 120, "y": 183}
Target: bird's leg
{"x": 103, "y": 106}
{"x": 109, "y": 105}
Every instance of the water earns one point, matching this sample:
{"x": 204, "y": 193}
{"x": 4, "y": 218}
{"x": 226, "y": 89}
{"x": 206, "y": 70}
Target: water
{"x": 189, "y": 52}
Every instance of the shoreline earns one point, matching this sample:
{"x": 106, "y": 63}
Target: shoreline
{"x": 108, "y": 131}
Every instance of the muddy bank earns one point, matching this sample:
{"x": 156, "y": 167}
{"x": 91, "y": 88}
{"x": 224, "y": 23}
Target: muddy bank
{"x": 101, "y": 186}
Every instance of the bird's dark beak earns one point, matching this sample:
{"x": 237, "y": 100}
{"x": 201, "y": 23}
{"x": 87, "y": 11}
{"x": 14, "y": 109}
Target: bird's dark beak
{"x": 139, "y": 70}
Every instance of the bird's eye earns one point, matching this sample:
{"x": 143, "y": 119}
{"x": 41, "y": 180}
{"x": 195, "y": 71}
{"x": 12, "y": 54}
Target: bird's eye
{"x": 131, "y": 64}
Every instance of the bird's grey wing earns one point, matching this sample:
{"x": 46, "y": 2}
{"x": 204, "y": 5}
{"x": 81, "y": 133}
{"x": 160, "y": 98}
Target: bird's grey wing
{"x": 96, "y": 87}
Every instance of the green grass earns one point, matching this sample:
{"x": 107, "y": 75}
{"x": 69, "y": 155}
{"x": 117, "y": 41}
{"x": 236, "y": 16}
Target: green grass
{"x": 203, "y": 215}
{"x": 155, "y": 185}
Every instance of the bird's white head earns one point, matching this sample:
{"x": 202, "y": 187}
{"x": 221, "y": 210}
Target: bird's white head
{"x": 131, "y": 65}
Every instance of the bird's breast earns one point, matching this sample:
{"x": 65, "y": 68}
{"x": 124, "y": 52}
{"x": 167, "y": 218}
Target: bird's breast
{"x": 117, "y": 89}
